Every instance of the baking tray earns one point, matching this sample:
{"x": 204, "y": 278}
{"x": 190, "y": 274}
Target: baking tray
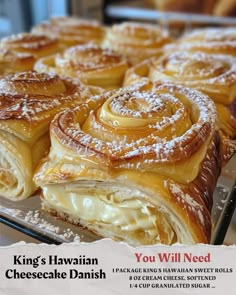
{"x": 26, "y": 216}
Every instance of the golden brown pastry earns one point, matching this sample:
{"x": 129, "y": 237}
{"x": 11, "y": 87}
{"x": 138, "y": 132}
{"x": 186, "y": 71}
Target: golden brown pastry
{"x": 91, "y": 64}
{"x": 28, "y": 102}
{"x": 137, "y": 167}
{"x": 37, "y": 45}
{"x": 224, "y": 34}
{"x": 12, "y": 61}
{"x": 137, "y": 41}
{"x": 209, "y": 73}
{"x": 209, "y": 40}
{"x": 214, "y": 75}
{"x": 72, "y": 31}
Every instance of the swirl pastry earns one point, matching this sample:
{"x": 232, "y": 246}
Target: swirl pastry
{"x": 141, "y": 167}
{"x": 214, "y": 75}
{"x": 91, "y": 64}
{"x": 137, "y": 41}
{"x": 12, "y": 62}
{"x": 209, "y": 40}
{"x": 37, "y": 45}
{"x": 72, "y": 31}
{"x": 28, "y": 102}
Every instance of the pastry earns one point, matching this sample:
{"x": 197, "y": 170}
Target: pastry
{"x": 226, "y": 34}
{"x": 37, "y": 45}
{"x": 209, "y": 40}
{"x": 136, "y": 168}
{"x": 137, "y": 41}
{"x": 91, "y": 64}
{"x": 12, "y": 61}
{"x": 28, "y": 102}
{"x": 72, "y": 31}
{"x": 214, "y": 75}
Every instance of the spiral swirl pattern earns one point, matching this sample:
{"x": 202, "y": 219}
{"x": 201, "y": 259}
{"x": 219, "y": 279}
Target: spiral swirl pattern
{"x": 133, "y": 128}
{"x": 212, "y": 41}
{"x": 37, "y": 45}
{"x": 212, "y": 74}
{"x": 33, "y": 97}
{"x": 71, "y": 31}
{"x": 91, "y": 64}
{"x": 137, "y": 41}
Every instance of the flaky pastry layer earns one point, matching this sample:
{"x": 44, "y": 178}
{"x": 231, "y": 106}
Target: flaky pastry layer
{"x": 28, "y": 102}
{"x": 91, "y": 64}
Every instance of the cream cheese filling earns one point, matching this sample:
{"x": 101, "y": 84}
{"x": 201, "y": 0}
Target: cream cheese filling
{"x": 123, "y": 208}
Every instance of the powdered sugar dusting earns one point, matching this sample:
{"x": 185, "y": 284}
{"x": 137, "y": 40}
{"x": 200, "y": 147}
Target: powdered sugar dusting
{"x": 152, "y": 147}
{"x": 146, "y": 31}
{"x": 36, "y": 219}
{"x": 211, "y": 35}
{"x": 195, "y": 69}
{"x": 88, "y": 57}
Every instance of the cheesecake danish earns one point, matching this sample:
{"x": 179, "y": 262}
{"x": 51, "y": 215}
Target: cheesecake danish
{"x": 208, "y": 40}
{"x": 141, "y": 167}
{"x": 214, "y": 75}
{"x": 137, "y": 41}
{"x": 90, "y": 63}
